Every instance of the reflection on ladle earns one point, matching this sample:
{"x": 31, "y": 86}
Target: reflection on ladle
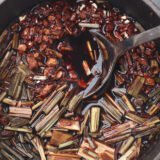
{"x": 115, "y": 50}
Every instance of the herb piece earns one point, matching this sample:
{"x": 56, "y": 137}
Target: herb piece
{"x": 84, "y": 122}
{"x": 117, "y": 129}
{"x": 15, "y": 40}
{"x": 74, "y": 102}
{"x": 69, "y": 124}
{"x": 40, "y": 148}
{"x": 86, "y": 68}
{"x": 89, "y": 25}
{"x": 90, "y": 50}
{"x": 5, "y": 146}
{"x": 154, "y": 108}
{"x": 114, "y": 103}
{"x": 95, "y": 119}
{"x": 9, "y": 101}
{"x": 128, "y": 103}
{"x": 134, "y": 118}
{"x": 20, "y": 112}
{"x": 53, "y": 102}
{"x": 101, "y": 151}
{"x": 59, "y": 137}
{"x": 126, "y": 144}
{"x": 135, "y": 88}
{"x": 18, "y": 129}
{"x": 43, "y": 122}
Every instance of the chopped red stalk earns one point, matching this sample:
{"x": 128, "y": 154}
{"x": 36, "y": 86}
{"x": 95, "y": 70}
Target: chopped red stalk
{"x": 82, "y": 83}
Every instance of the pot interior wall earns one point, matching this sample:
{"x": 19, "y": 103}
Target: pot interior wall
{"x": 135, "y": 8}
{"x": 140, "y": 11}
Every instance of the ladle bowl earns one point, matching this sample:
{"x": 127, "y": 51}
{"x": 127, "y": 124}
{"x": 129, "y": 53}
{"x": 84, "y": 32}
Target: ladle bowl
{"x": 110, "y": 53}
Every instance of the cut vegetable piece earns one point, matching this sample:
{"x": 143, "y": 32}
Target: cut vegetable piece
{"x": 117, "y": 129}
{"x": 126, "y": 144}
{"x": 154, "y": 108}
{"x": 102, "y": 151}
{"x": 69, "y": 124}
{"x": 90, "y": 50}
{"x": 62, "y": 156}
{"x": 25, "y": 130}
{"x": 74, "y": 102}
{"x": 89, "y": 25}
{"x": 135, "y": 88}
{"x": 43, "y": 122}
{"x": 114, "y": 103}
{"x": 84, "y": 122}
{"x": 59, "y": 137}
{"x": 128, "y": 103}
{"x": 134, "y": 118}
{"x": 86, "y": 68}
{"x": 118, "y": 138}
{"x": 95, "y": 119}
{"x": 15, "y": 40}
{"x": 22, "y": 112}
{"x": 39, "y": 147}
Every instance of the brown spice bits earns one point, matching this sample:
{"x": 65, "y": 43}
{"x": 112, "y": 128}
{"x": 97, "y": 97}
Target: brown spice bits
{"x": 6, "y": 133}
{"x": 51, "y": 17}
{"x": 148, "y": 51}
{"x": 109, "y": 27}
{"x": 49, "y": 71}
{"x": 29, "y": 44}
{"x": 25, "y": 34}
{"x": 46, "y": 90}
{"x": 82, "y": 83}
{"x": 4, "y": 120}
{"x": 59, "y": 74}
{"x": 51, "y": 62}
{"x": 155, "y": 67}
{"x": 42, "y": 46}
{"x": 22, "y": 47}
{"x": 54, "y": 52}
{"x": 73, "y": 74}
{"x": 149, "y": 81}
{"x": 32, "y": 62}
{"x": 133, "y": 151}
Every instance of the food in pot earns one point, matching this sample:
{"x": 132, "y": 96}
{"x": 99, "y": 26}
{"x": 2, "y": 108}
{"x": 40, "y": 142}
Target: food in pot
{"x": 47, "y": 59}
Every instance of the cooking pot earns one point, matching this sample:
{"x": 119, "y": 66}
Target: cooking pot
{"x": 146, "y": 12}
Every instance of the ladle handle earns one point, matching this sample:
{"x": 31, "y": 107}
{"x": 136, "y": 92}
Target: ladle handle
{"x": 138, "y": 39}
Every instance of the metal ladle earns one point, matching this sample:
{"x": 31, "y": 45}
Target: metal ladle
{"x": 102, "y": 71}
